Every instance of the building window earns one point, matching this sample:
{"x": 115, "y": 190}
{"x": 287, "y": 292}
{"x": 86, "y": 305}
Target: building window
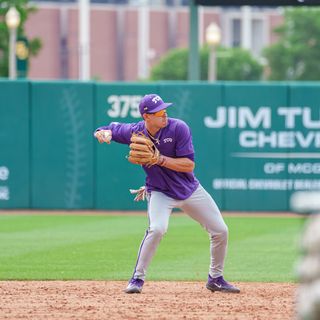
{"x": 236, "y": 33}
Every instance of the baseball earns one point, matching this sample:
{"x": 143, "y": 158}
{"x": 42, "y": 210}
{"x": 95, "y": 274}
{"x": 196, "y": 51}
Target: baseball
{"x": 104, "y": 136}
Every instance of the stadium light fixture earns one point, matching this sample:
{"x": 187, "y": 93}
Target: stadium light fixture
{"x": 12, "y": 21}
{"x": 213, "y": 39}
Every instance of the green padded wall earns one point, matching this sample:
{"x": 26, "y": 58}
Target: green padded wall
{"x": 251, "y": 117}
{"x": 304, "y": 168}
{"x": 14, "y": 144}
{"x": 62, "y": 145}
{"x": 244, "y": 147}
{"x": 255, "y": 142}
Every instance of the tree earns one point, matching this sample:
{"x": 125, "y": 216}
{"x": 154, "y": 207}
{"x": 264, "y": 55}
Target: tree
{"x": 296, "y": 55}
{"x": 34, "y": 44}
{"x": 232, "y": 64}
{"x": 172, "y": 66}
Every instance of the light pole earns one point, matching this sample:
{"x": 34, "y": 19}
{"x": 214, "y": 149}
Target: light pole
{"x": 12, "y": 21}
{"x": 213, "y": 38}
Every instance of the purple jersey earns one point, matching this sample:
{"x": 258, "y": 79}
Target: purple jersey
{"x": 174, "y": 141}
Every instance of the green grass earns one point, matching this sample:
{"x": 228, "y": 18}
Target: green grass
{"x": 105, "y": 247}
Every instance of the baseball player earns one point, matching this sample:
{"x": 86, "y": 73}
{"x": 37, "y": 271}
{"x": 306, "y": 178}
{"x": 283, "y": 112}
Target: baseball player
{"x": 170, "y": 183}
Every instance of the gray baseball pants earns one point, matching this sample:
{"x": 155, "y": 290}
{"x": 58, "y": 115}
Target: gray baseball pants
{"x": 199, "y": 206}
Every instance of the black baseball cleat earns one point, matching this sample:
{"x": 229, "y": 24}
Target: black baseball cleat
{"x": 219, "y": 284}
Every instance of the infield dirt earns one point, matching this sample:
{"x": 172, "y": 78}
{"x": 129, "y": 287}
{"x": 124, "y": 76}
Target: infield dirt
{"x": 95, "y": 300}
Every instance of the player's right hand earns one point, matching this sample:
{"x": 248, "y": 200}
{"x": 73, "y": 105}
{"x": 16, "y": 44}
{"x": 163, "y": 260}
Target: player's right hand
{"x": 104, "y": 136}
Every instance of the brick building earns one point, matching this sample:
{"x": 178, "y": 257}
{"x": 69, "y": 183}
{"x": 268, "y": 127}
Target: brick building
{"x": 126, "y": 40}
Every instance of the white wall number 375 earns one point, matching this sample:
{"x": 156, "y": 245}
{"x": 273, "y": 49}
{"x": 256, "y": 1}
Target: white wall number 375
{"x": 123, "y": 106}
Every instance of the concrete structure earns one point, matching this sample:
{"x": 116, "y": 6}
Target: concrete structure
{"x": 125, "y": 41}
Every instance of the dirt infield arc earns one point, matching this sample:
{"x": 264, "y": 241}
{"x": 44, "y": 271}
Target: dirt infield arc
{"x": 95, "y": 300}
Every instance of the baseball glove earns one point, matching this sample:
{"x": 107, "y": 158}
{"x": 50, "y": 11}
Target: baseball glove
{"x": 143, "y": 151}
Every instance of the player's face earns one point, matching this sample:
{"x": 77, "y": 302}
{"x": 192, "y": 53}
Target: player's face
{"x": 159, "y": 119}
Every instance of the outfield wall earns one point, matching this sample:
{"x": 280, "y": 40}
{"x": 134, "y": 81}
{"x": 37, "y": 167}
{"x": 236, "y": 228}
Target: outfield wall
{"x": 255, "y": 142}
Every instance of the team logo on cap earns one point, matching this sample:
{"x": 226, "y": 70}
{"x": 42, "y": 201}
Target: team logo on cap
{"x": 156, "y": 99}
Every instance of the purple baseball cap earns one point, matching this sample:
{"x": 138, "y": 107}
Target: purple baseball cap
{"x": 152, "y": 103}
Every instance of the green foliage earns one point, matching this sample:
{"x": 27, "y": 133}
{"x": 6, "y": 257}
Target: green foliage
{"x": 105, "y": 247}
{"x": 172, "y": 66}
{"x": 232, "y": 64}
{"x": 295, "y": 56}
{"x": 34, "y": 44}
